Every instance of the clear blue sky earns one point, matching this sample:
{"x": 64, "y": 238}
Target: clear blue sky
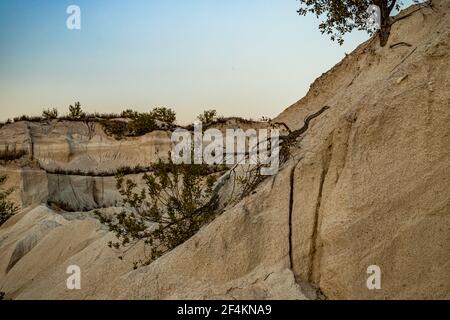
{"x": 242, "y": 57}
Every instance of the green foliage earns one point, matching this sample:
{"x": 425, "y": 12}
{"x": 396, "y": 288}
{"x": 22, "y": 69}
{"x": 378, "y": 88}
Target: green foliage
{"x": 176, "y": 202}
{"x": 164, "y": 114}
{"x": 140, "y": 124}
{"x": 7, "y": 208}
{"x": 63, "y": 206}
{"x": 208, "y": 117}
{"x": 344, "y": 16}
{"x": 11, "y": 155}
{"x": 97, "y": 115}
{"x": 48, "y": 114}
{"x": 75, "y": 111}
{"x": 249, "y": 180}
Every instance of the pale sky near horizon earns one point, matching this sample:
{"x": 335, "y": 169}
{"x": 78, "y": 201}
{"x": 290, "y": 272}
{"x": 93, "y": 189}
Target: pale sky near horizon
{"x": 247, "y": 58}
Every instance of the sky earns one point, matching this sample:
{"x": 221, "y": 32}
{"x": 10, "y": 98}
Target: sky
{"x": 248, "y": 58}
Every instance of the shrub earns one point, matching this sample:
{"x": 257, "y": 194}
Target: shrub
{"x": 178, "y": 198}
{"x": 208, "y": 117}
{"x": 75, "y": 111}
{"x": 48, "y": 114}
{"x": 7, "y": 208}
{"x": 130, "y": 114}
{"x": 118, "y": 129}
{"x": 164, "y": 114}
{"x": 27, "y": 118}
{"x": 97, "y": 115}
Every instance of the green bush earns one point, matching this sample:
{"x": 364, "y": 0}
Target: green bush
{"x": 27, "y": 118}
{"x": 11, "y": 155}
{"x": 178, "y": 198}
{"x": 97, "y": 115}
{"x": 48, "y": 114}
{"x": 164, "y": 114}
{"x": 208, "y": 117}
{"x": 75, "y": 111}
{"x": 116, "y": 128}
{"x": 142, "y": 124}
{"x": 89, "y": 173}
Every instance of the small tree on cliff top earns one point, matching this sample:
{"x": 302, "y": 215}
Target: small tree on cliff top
{"x": 207, "y": 117}
{"x": 7, "y": 208}
{"x": 176, "y": 202}
{"x": 343, "y": 16}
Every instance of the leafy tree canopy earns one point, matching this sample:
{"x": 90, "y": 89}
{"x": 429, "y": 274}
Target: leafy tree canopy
{"x": 7, "y": 208}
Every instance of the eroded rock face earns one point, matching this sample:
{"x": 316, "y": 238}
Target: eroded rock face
{"x": 368, "y": 185}
{"x": 79, "y": 145}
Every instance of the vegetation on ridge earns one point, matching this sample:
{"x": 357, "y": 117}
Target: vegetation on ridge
{"x": 343, "y": 16}
{"x": 176, "y": 202}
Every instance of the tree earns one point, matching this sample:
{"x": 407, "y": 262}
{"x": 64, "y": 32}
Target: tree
{"x": 208, "y": 117}
{"x": 7, "y": 208}
{"x": 343, "y": 16}
{"x": 176, "y": 202}
{"x": 49, "y": 114}
{"x": 164, "y": 114}
{"x": 75, "y": 111}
